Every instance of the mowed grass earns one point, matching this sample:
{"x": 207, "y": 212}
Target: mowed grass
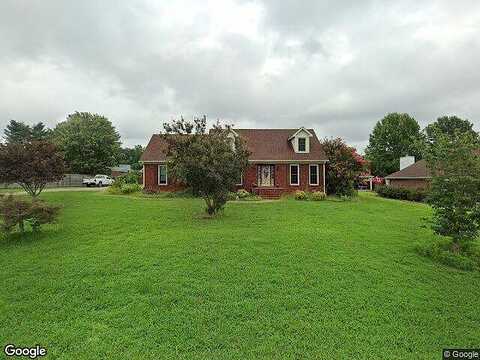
{"x": 133, "y": 278}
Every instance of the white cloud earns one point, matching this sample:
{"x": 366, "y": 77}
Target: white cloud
{"x": 335, "y": 67}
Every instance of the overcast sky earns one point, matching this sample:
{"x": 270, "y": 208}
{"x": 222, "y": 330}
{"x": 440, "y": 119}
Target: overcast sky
{"x": 336, "y": 66}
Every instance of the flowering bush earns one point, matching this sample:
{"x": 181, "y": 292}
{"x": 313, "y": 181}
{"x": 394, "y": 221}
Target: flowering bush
{"x": 301, "y": 195}
{"x": 242, "y": 193}
{"x": 318, "y": 196}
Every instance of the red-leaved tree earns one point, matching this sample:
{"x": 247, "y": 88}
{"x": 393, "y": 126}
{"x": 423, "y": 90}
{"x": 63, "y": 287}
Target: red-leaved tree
{"x": 343, "y": 168}
{"x": 31, "y": 165}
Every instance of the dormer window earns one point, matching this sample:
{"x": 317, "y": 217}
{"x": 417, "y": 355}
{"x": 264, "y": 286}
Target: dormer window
{"x": 300, "y": 140}
{"x": 302, "y": 144}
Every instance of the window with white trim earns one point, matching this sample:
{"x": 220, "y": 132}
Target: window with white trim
{"x": 294, "y": 174}
{"x": 313, "y": 174}
{"x": 162, "y": 174}
{"x": 302, "y": 144}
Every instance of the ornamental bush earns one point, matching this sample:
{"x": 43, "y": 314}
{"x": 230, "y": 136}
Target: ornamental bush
{"x": 130, "y": 188}
{"x": 391, "y": 192}
{"x": 318, "y": 196}
{"x": 242, "y": 194}
{"x": 301, "y": 195}
{"x": 17, "y": 212}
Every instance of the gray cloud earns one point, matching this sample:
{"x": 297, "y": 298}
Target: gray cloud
{"x": 338, "y": 67}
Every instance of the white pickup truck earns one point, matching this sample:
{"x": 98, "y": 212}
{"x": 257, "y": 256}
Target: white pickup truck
{"x": 98, "y": 180}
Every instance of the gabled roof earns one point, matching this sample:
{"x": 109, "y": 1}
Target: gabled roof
{"x": 274, "y": 144}
{"x": 263, "y": 144}
{"x": 155, "y": 150}
{"x": 300, "y": 130}
{"x": 419, "y": 170}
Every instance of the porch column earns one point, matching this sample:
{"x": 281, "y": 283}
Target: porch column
{"x": 324, "y": 187}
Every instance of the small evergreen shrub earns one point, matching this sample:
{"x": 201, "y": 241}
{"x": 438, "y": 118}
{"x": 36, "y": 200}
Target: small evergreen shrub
{"x": 242, "y": 194}
{"x": 130, "y": 188}
{"x": 391, "y": 192}
{"x": 301, "y": 195}
{"x": 318, "y": 196}
{"x": 252, "y": 198}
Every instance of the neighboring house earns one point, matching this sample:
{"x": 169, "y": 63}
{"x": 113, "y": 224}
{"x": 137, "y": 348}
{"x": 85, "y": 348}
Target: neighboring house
{"x": 120, "y": 170}
{"x": 281, "y": 161}
{"x": 411, "y": 175}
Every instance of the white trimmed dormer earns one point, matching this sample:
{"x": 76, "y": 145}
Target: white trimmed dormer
{"x": 301, "y": 140}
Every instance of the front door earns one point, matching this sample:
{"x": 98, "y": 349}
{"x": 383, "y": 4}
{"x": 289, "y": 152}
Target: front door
{"x": 265, "y": 175}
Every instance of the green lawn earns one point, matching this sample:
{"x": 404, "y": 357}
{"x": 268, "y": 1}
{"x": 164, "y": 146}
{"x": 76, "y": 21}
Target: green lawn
{"x": 134, "y": 278}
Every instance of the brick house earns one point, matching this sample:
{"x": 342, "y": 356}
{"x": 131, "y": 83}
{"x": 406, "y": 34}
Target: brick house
{"x": 281, "y": 161}
{"x": 413, "y": 175}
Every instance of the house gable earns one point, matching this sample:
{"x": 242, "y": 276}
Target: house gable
{"x": 300, "y": 140}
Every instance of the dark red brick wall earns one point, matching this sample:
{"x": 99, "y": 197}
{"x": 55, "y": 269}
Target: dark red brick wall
{"x": 151, "y": 180}
{"x": 282, "y": 178}
{"x": 410, "y": 183}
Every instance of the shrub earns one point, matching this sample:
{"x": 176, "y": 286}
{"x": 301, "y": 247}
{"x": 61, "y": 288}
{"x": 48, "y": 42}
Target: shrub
{"x": 129, "y": 188}
{"x": 467, "y": 259}
{"x": 41, "y": 213}
{"x": 13, "y": 212}
{"x": 318, "y": 196}
{"x": 252, "y": 198}
{"x": 301, "y": 195}
{"x": 132, "y": 177}
{"x": 390, "y": 192}
{"x": 232, "y": 196}
{"x": 125, "y": 184}
{"x": 242, "y": 194}
{"x": 16, "y": 212}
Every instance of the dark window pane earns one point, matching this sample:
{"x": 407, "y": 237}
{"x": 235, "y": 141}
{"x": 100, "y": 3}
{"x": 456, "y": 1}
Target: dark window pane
{"x": 294, "y": 174}
{"x": 302, "y": 144}
{"x": 313, "y": 174}
{"x": 162, "y": 174}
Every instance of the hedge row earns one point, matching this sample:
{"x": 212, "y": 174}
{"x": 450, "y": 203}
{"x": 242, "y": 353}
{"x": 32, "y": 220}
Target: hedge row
{"x": 390, "y": 192}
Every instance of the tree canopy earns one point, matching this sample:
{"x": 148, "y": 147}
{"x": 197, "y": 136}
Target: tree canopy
{"x": 455, "y": 191}
{"x": 131, "y": 156}
{"x": 19, "y": 132}
{"x": 449, "y": 126}
{"x": 394, "y": 136}
{"x": 90, "y": 142}
{"x": 210, "y": 163}
{"x": 32, "y": 165}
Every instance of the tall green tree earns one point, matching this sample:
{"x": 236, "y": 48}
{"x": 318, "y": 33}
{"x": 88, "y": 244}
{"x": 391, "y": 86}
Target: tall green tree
{"x": 449, "y": 126}
{"x": 39, "y": 132}
{"x": 90, "y": 142}
{"x": 394, "y": 136}
{"x": 455, "y": 190}
{"x": 210, "y": 163}
{"x": 18, "y": 132}
{"x": 132, "y": 156}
